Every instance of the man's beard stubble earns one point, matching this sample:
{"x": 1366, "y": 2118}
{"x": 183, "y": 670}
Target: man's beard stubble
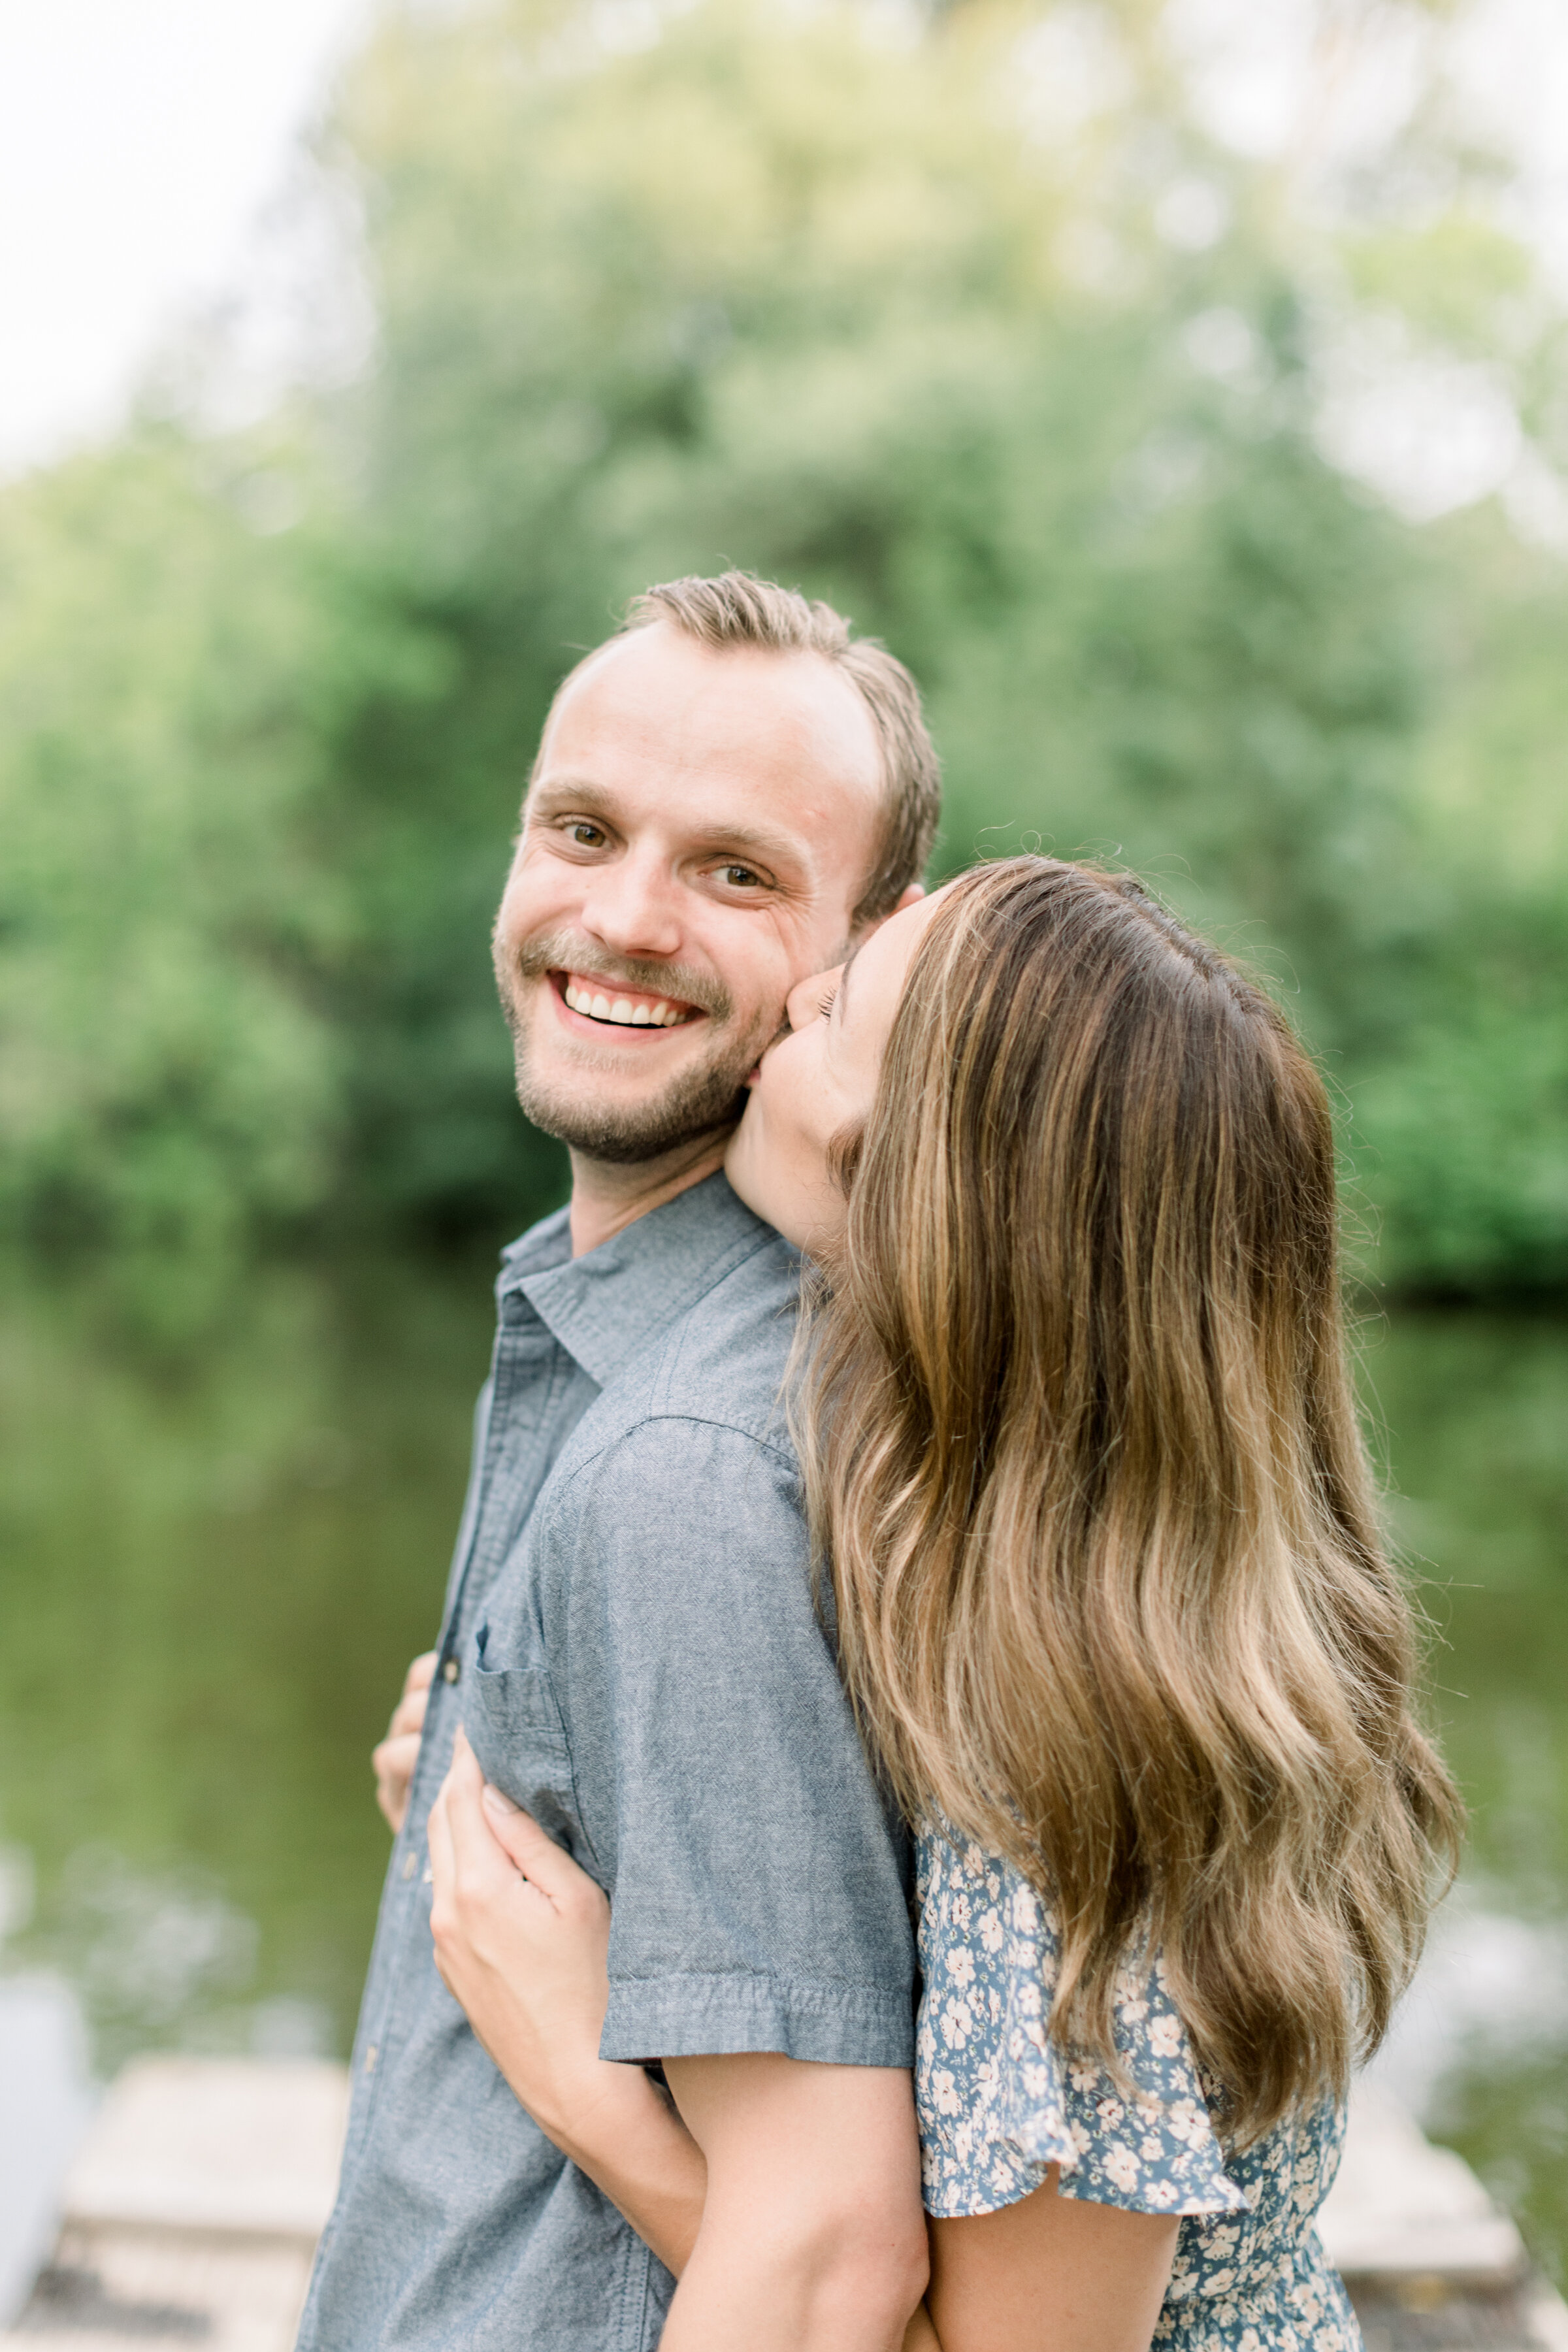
{"x": 698, "y": 1101}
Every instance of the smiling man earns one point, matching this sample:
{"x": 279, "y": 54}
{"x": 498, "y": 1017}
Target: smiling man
{"x": 708, "y": 815}
{"x": 728, "y": 795}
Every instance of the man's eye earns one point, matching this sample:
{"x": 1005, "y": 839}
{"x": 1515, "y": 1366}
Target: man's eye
{"x": 741, "y": 878}
{"x": 586, "y": 834}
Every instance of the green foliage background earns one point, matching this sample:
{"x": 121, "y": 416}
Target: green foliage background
{"x": 776, "y": 289}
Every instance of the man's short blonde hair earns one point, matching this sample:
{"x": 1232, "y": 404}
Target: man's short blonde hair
{"x": 736, "y": 609}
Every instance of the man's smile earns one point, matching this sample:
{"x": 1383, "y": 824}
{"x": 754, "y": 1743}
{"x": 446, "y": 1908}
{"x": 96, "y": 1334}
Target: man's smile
{"x": 612, "y": 1004}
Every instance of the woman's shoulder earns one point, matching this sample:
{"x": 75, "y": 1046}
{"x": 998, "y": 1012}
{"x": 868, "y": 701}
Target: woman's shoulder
{"x": 1000, "y": 2101}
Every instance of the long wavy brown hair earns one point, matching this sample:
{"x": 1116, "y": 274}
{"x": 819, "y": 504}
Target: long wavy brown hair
{"x": 1082, "y": 1458}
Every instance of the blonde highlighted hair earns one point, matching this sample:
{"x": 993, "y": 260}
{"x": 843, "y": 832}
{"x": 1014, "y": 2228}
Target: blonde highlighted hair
{"x": 1082, "y": 1457}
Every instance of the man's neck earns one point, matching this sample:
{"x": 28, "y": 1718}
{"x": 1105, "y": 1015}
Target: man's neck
{"x": 605, "y": 1198}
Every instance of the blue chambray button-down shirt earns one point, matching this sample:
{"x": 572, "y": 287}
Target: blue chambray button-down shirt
{"x": 631, "y": 1643}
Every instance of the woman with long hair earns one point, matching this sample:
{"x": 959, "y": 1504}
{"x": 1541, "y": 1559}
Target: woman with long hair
{"x": 1097, "y": 1529}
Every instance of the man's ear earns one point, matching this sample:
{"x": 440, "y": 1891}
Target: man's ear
{"x": 863, "y": 931}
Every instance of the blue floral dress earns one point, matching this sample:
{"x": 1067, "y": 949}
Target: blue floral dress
{"x": 999, "y": 2103}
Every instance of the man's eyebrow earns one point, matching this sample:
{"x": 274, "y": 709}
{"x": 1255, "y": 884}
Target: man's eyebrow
{"x": 776, "y": 848}
{"x": 568, "y": 788}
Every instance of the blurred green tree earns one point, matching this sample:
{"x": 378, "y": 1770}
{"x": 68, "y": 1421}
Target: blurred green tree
{"x": 164, "y": 1074}
{"x": 1030, "y": 384}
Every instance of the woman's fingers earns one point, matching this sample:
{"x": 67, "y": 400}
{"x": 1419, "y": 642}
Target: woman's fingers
{"x": 443, "y": 1873}
{"x": 482, "y": 1816}
{"x": 393, "y": 1763}
{"x": 481, "y": 1863}
{"x": 395, "y": 1757}
{"x": 541, "y": 1861}
{"x": 408, "y": 1715}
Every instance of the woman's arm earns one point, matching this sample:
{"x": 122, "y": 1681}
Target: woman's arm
{"x": 1050, "y": 2274}
{"x": 520, "y": 1936}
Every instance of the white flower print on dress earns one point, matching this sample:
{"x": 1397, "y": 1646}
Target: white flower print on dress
{"x": 1004, "y": 2104}
{"x": 957, "y": 2024}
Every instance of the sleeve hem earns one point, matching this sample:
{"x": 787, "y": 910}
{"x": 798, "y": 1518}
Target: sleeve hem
{"x": 724, "y": 2016}
{"x": 1222, "y": 2197}
{"x": 951, "y": 2208}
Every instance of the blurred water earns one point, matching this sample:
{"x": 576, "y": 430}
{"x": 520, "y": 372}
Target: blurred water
{"x": 226, "y": 1532}
{"x": 1474, "y": 1413}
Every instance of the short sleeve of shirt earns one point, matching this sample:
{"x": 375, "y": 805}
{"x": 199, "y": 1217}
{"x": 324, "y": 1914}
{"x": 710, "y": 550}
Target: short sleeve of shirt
{"x": 758, "y": 1888}
{"x": 999, "y": 2103}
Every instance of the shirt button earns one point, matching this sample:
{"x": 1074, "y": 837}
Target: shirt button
{"x": 369, "y": 2060}
{"x": 450, "y": 1671}
{"x": 410, "y": 1864}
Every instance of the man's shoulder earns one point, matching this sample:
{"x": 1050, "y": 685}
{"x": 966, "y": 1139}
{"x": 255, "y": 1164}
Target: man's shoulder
{"x": 724, "y": 1358}
{"x": 716, "y": 1365}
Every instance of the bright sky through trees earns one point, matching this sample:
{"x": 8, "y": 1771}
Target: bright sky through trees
{"x": 139, "y": 142}
{"x": 142, "y": 141}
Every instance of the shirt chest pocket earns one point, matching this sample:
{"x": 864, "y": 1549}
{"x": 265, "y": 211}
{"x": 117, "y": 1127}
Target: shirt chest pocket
{"x": 515, "y": 1729}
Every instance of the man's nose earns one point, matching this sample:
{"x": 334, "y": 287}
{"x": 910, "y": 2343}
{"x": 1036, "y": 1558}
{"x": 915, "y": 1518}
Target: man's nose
{"x": 632, "y": 907}
{"x": 805, "y": 1001}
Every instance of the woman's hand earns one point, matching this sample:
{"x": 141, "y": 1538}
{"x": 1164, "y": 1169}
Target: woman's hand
{"x": 393, "y": 1760}
{"x": 522, "y": 1936}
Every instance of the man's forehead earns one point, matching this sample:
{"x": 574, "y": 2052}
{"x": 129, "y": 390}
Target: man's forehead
{"x": 656, "y": 686}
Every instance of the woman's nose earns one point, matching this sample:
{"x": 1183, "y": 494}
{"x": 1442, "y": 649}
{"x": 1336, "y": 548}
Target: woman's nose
{"x": 804, "y": 1003}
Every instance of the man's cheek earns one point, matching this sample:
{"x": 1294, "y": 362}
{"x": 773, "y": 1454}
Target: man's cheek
{"x": 541, "y": 893}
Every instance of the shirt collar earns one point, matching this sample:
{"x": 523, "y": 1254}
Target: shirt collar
{"x": 603, "y": 1307}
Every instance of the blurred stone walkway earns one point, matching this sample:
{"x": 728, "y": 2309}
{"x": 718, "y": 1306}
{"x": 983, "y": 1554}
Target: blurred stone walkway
{"x": 191, "y": 2213}
{"x": 193, "y": 2208}
{"x": 1431, "y": 2263}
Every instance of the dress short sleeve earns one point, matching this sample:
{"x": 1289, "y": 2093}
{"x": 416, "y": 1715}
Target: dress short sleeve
{"x": 999, "y": 2103}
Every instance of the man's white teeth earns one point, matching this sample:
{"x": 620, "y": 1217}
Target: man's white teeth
{"x": 621, "y": 1010}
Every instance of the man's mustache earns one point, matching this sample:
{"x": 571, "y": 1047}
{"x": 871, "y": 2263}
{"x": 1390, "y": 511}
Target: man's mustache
{"x": 555, "y": 952}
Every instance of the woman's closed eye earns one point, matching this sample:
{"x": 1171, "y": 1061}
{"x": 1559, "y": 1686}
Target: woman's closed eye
{"x": 826, "y": 1001}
